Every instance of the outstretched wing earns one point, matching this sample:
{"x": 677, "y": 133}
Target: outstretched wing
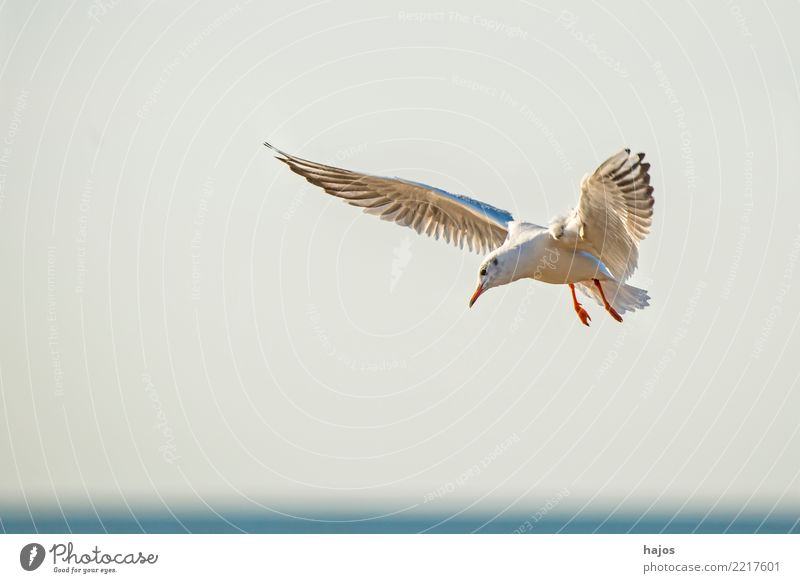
{"x": 614, "y": 212}
{"x": 455, "y": 218}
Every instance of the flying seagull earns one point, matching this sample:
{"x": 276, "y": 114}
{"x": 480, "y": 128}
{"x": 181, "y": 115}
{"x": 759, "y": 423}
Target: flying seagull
{"x": 593, "y": 247}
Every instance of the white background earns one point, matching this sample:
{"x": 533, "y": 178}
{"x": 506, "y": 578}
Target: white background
{"x": 418, "y": 558}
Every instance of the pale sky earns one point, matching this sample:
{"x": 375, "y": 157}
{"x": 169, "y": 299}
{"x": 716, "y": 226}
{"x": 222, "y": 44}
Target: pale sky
{"x": 185, "y": 322}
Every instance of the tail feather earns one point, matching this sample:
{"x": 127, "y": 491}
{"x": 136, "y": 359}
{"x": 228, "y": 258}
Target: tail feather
{"x": 623, "y": 297}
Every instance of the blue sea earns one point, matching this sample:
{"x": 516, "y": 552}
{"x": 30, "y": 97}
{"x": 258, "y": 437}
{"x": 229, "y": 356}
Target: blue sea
{"x": 194, "y": 521}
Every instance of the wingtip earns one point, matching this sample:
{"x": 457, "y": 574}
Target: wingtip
{"x": 640, "y": 155}
{"x": 281, "y": 155}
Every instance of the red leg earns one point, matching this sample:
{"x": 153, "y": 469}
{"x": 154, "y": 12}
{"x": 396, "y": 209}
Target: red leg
{"x": 608, "y": 306}
{"x": 582, "y": 314}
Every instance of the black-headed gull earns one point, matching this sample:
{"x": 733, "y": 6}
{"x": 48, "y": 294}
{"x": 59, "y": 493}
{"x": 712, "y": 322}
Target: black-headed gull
{"x": 593, "y": 247}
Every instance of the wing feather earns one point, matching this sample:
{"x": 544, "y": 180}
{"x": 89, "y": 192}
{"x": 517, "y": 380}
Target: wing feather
{"x": 614, "y": 212}
{"x": 437, "y": 213}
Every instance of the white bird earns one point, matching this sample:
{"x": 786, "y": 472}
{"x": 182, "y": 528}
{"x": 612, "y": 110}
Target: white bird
{"x": 593, "y": 247}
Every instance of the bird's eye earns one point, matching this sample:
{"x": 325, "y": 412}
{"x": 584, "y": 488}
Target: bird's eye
{"x": 483, "y": 272}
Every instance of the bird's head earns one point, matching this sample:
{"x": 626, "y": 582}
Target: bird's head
{"x": 493, "y": 272}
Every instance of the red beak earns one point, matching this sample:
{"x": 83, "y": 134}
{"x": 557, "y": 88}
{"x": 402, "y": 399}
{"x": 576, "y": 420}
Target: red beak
{"x": 476, "y": 295}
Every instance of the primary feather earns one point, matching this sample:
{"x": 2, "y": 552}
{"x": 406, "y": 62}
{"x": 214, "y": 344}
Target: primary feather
{"x": 457, "y": 219}
{"x": 614, "y": 212}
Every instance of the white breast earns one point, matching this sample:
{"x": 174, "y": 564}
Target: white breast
{"x": 550, "y": 260}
